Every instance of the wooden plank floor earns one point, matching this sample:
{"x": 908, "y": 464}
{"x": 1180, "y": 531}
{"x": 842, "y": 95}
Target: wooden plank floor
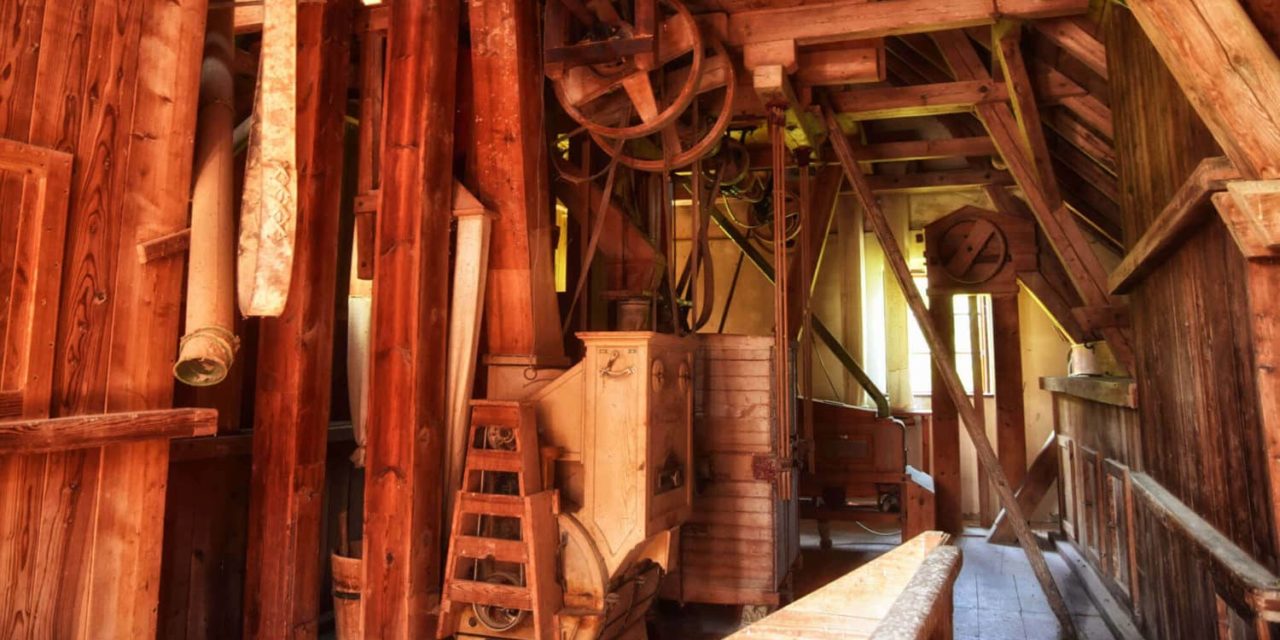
{"x": 997, "y": 597}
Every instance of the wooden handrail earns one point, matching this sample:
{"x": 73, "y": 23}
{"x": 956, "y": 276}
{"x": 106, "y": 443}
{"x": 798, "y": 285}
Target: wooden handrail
{"x": 882, "y": 598}
{"x": 1239, "y": 579}
{"x": 47, "y": 435}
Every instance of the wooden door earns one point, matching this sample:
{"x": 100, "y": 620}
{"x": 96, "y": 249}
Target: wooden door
{"x": 35, "y": 185}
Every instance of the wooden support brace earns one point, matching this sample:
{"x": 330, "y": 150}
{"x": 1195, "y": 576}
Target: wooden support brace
{"x": 25, "y": 437}
{"x": 944, "y": 362}
{"x": 1097, "y": 318}
{"x": 1186, "y": 209}
{"x": 168, "y": 245}
{"x": 1034, "y": 487}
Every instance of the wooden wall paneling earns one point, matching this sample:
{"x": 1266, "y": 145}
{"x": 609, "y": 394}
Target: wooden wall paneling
{"x": 1203, "y": 423}
{"x": 31, "y": 247}
{"x": 1089, "y": 485}
{"x": 1116, "y": 503}
{"x": 282, "y": 587}
{"x": 1228, "y": 72}
{"x": 403, "y": 517}
{"x": 98, "y": 516}
{"x": 509, "y": 170}
{"x": 1067, "y": 478}
{"x": 205, "y": 525}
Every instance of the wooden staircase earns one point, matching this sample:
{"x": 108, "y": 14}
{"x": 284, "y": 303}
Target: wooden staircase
{"x": 500, "y": 573}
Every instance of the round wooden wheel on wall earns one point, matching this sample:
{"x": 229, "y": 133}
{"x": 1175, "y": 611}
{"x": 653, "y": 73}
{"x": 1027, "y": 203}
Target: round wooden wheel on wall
{"x": 972, "y": 251}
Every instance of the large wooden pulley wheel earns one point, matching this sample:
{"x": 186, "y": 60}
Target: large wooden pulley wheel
{"x": 972, "y": 251}
{"x": 623, "y": 71}
{"x": 695, "y": 133}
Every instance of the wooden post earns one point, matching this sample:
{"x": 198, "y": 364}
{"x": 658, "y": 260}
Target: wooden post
{"x": 945, "y": 466}
{"x": 944, "y": 361}
{"x": 781, "y": 324}
{"x": 403, "y": 522}
{"x": 295, "y": 353}
{"x": 508, "y": 164}
{"x": 1011, "y": 430}
{"x": 807, "y": 240}
{"x": 208, "y": 347}
{"x": 986, "y": 510}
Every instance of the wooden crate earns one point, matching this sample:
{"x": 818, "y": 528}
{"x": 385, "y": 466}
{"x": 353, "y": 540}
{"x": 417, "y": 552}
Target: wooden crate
{"x": 742, "y": 539}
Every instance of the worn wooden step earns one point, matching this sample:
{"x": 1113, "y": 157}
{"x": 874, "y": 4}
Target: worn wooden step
{"x": 490, "y": 504}
{"x": 494, "y": 460}
{"x": 489, "y": 593}
{"x": 479, "y": 548}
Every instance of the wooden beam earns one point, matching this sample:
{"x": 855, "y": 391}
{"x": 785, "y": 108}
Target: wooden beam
{"x": 848, "y": 63}
{"x": 857, "y": 20}
{"x": 509, "y": 170}
{"x": 295, "y": 351}
{"x": 1098, "y": 318}
{"x": 945, "y": 438}
{"x": 1011, "y": 422}
{"x": 1070, "y": 35}
{"x": 48, "y": 435}
{"x": 1055, "y": 219}
{"x": 1007, "y": 51}
{"x": 968, "y": 147}
{"x": 1186, "y": 209}
{"x": 1031, "y": 491}
{"x": 917, "y": 100}
{"x": 407, "y": 404}
{"x": 944, "y": 361}
{"x": 1228, "y": 71}
{"x": 933, "y": 181}
{"x": 971, "y": 147}
{"x": 1120, "y": 392}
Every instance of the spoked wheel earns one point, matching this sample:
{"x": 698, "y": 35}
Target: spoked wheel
{"x": 695, "y": 133}
{"x": 623, "y": 71}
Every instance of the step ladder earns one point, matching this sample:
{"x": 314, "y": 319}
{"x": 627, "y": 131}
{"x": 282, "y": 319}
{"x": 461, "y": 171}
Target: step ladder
{"x": 500, "y": 573}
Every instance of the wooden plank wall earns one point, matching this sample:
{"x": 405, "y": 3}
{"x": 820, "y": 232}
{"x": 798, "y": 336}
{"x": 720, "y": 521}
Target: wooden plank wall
{"x": 114, "y": 83}
{"x": 1199, "y": 430}
{"x": 1202, "y": 435}
{"x": 740, "y": 542}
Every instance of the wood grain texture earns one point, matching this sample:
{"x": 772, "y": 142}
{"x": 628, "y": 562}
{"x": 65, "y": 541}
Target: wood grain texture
{"x": 295, "y": 352}
{"x": 509, "y": 171}
{"x": 1202, "y": 428}
{"x": 27, "y": 437}
{"x": 86, "y": 88}
{"x": 407, "y": 404}
{"x": 944, "y": 366}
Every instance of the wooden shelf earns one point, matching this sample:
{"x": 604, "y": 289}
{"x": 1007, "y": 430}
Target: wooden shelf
{"x": 82, "y": 432}
{"x": 1121, "y": 392}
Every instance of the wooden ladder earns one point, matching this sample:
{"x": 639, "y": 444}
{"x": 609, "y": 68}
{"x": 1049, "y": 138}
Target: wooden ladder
{"x": 502, "y": 485}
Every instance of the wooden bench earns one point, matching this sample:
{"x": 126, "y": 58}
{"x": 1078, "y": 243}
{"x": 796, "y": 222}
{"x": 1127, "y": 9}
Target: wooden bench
{"x": 905, "y": 593}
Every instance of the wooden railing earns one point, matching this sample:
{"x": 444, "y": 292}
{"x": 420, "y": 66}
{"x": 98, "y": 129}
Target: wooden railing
{"x": 905, "y": 593}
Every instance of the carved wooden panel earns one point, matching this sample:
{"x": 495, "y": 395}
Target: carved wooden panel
{"x": 35, "y": 185}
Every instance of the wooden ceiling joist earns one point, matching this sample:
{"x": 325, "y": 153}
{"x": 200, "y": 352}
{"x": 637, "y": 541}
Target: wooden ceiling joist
{"x": 857, "y": 19}
{"x": 918, "y": 100}
{"x": 1070, "y": 35}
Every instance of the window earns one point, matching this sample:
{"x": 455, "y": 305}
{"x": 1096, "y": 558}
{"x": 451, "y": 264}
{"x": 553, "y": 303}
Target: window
{"x": 921, "y": 363}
